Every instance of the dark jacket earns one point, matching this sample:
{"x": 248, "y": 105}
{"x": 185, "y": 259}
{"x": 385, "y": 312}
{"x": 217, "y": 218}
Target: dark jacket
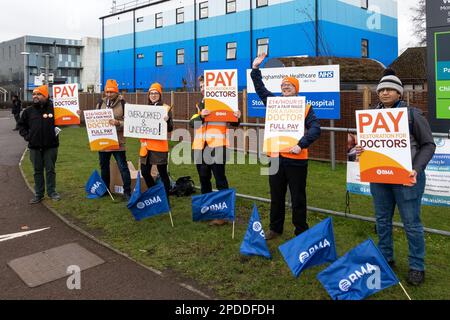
{"x": 312, "y": 124}
{"x": 17, "y": 107}
{"x": 421, "y": 136}
{"x": 37, "y": 126}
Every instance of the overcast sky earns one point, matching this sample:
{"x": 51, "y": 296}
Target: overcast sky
{"x": 78, "y": 18}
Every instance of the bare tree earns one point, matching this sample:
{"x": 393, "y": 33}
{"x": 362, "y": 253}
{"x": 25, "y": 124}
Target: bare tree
{"x": 419, "y": 22}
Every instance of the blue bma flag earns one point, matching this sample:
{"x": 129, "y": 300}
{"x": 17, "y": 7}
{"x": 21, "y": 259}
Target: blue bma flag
{"x": 95, "y": 187}
{"x": 360, "y": 273}
{"x": 254, "y": 243}
{"x": 311, "y": 248}
{"x": 151, "y": 203}
{"x": 215, "y": 205}
{"x": 136, "y": 192}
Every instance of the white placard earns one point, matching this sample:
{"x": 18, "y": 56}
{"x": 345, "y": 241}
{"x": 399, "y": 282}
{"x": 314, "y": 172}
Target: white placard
{"x": 145, "y": 122}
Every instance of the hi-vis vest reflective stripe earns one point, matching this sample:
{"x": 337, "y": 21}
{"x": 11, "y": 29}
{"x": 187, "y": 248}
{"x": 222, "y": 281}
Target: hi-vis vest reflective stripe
{"x": 213, "y": 133}
{"x": 303, "y": 155}
{"x": 154, "y": 145}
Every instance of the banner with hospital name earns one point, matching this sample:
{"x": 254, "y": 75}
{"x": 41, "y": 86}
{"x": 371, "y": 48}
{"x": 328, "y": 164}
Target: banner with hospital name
{"x": 319, "y": 84}
{"x": 145, "y": 122}
{"x": 384, "y": 136}
{"x": 437, "y": 177}
{"x": 102, "y": 135}
{"x": 221, "y": 95}
{"x": 66, "y": 104}
{"x": 285, "y": 123}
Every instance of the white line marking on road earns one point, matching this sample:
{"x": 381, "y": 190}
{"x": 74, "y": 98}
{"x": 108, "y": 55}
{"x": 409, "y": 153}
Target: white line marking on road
{"x": 11, "y": 236}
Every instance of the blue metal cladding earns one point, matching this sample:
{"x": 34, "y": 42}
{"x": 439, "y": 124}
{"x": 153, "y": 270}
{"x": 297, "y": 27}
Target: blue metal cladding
{"x": 289, "y": 27}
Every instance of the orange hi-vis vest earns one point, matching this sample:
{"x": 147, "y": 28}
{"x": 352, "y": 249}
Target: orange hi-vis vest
{"x": 303, "y": 155}
{"x": 154, "y": 145}
{"x": 214, "y": 134}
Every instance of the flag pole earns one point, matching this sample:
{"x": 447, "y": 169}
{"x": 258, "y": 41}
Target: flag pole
{"x": 110, "y": 194}
{"x": 171, "y": 220}
{"x": 233, "y": 230}
{"x": 405, "y": 291}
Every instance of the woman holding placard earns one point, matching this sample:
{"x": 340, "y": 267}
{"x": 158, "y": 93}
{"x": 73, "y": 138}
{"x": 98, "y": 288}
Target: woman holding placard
{"x": 156, "y": 152}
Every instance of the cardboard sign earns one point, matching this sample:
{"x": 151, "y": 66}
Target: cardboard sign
{"x": 319, "y": 84}
{"x": 221, "y": 95}
{"x": 66, "y": 104}
{"x": 102, "y": 135}
{"x": 145, "y": 122}
{"x": 384, "y": 135}
{"x": 285, "y": 123}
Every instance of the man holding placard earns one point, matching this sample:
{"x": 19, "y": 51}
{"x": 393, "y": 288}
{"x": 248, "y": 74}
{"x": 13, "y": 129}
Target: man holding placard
{"x": 390, "y": 134}
{"x": 287, "y": 120}
{"x": 116, "y": 103}
{"x": 211, "y": 141}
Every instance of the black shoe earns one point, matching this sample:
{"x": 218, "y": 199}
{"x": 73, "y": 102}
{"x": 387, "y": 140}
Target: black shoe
{"x": 415, "y": 277}
{"x": 36, "y": 200}
{"x": 55, "y": 196}
{"x": 272, "y": 235}
{"x": 16, "y": 129}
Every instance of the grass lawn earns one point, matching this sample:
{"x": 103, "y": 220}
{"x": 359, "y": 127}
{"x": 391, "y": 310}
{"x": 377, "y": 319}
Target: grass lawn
{"x": 209, "y": 255}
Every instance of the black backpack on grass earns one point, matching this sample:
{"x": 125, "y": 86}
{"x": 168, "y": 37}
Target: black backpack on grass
{"x": 184, "y": 187}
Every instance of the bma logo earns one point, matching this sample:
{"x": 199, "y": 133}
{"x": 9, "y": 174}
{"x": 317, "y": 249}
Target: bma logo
{"x": 96, "y": 186}
{"x": 214, "y": 207}
{"x": 372, "y": 283}
{"x": 257, "y": 227}
{"x": 326, "y": 74}
{"x": 304, "y": 256}
{"x": 148, "y": 202}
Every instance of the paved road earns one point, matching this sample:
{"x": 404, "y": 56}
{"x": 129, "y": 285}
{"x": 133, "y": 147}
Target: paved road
{"x": 118, "y": 278}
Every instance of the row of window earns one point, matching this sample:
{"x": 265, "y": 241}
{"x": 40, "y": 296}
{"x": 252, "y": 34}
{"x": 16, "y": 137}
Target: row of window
{"x": 203, "y": 9}
{"x": 231, "y": 52}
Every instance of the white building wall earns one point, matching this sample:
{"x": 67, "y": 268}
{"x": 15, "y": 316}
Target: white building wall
{"x": 90, "y": 61}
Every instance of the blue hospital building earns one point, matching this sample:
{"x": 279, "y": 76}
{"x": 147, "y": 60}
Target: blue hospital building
{"x": 174, "y": 41}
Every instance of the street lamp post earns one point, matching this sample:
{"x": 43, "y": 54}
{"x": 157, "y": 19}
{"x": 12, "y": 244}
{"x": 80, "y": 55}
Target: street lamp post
{"x": 47, "y": 56}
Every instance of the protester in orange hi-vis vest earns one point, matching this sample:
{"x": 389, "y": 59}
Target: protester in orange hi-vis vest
{"x": 210, "y": 149}
{"x": 156, "y": 152}
{"x": 293, "y": 166}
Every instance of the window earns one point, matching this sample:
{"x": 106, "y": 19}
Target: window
{"x": 262, "y": 3}
{"x": 10, "y": 52}
{"x": 180, "y": 56}
{"x": 140, "y": 19}
{"x": 158, "y": 20}
{"x": 204, "y": 54}
{"x": 365, "y": 4}
{"x": 263, "y": 46}
{"x": 231, "y": 50}
{"x": 180, "y": 15}
{"x": 364, "y": 48}
{"x": 140, "y": 56}
{"x": 159, "y": 58}
{"x": 203, "y": 9}
{"x": 64, "y": 50}
{"x": 231, "y": 6}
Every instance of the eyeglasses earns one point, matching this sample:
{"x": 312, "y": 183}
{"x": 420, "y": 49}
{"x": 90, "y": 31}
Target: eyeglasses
{"x": 153, "y": 94}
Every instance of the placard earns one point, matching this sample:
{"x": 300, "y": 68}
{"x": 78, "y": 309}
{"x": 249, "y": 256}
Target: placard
{"x": 102, "y": 135}
{"x": 145, "y": 122}
{"x": 66, "y": 104}
{"x": 221, "y": 95}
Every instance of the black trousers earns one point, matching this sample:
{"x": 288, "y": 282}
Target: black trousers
{"x": 211, "y": 161}
{"x": 294, "y": 178}
{"x": 162, "y": 170}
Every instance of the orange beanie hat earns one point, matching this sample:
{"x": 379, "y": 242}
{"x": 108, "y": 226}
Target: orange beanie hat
{"x": 293, "y": 81}
{"x": 156, "y": 86}
{"x": 42, "y": 90}
{"x": 112, "y": 86}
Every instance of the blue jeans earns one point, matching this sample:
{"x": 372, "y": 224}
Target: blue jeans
{"x": 408, "y": 201}
{"x": 121, "y": 159}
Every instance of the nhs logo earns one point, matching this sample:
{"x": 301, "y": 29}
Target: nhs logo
{"x": 326, "y": 74}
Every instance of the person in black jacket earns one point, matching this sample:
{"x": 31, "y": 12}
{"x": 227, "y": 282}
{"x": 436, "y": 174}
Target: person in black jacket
{"x": 37, "y": 126}
{"x": 16, "y": 108}
{"x": 293, "y": 166}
